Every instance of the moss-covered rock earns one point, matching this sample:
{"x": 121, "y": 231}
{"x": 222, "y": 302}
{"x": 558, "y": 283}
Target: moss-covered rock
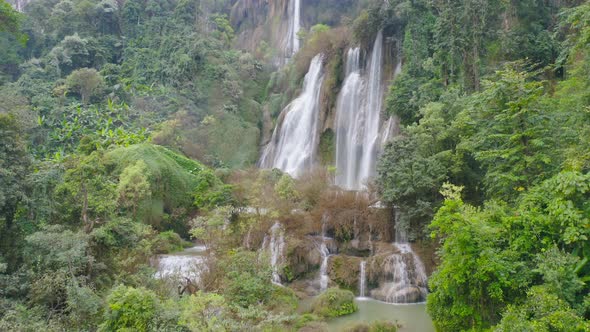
{"x": 334, "y": 302}
{"x": 344, "y": 271}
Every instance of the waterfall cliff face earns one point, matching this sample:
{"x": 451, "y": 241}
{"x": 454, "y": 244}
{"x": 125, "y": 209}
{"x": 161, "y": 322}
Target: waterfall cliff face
{"x": 359, "y": 137}
{"x": 294, "y": 141}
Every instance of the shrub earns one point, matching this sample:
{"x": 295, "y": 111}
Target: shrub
{"x": 334, "y": 302}
{"x": 130, "y": 308}
{"x": 379, "y": 326}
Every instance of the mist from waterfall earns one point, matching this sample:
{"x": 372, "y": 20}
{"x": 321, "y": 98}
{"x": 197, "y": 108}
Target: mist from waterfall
{"x": 294, "y": 141}
{"x": 359, "y": 137}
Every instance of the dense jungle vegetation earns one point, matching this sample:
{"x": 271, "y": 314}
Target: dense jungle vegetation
{"x": 129, "y": 128}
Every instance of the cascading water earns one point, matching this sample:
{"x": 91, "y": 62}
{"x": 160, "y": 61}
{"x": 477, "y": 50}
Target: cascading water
{"x": 289, "y": 41}
{"x": 372, "y": 111}
{"x": 294, "y": 141}
{"x": 407, "y": 275}
{"x": 274, "y": 243}
{"x": 294, "y": 26}
{"x": 362, "y": 278}
{"x": 348, "y": 144}
{"x": 180, "y": 266}
{"x": 325, "y": 253}
{"x": 358, "y": 113}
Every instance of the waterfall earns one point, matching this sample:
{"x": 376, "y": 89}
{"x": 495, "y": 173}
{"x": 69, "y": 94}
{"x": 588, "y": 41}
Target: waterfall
{"x": 294, "y": 26}
{"x": 179, "y": 266}
{"x": 362, "y": 279}
{"x": 358, "y": 117}
{"x": 348, "y": 110}
{"x": 295, "y": 138}
{"x": 407, "y": 275}
{"x": 275, "y": 244}
{"x": 290, "y": 42}
{"x": 324, "y": 267}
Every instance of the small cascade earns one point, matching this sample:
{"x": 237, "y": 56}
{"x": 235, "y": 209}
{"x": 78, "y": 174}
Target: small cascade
{"x": 247, "y": 239}
{"x": 325, "y": 253}
{"x": 362, "y": 279}
{"x": 274, "y": 243}
{"x": 180, "y": 266}
{"x": 407, "y": 280}
{"x": 295, "y": 139}
{"x": 324, "y": 267}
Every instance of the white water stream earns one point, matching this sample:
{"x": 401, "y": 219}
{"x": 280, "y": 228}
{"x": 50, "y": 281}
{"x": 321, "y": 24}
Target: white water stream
{"x": 294, "y": 141}
{"x": 359, "y": 138}
{"x": 179, "y": 266}
{"x": 274, "y": 244}
{"x": 362, "y": 279}
{"x": 408, "y": 282}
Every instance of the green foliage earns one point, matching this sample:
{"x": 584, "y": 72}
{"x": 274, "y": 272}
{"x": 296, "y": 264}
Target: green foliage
{"x": 478, "y": 274}
{"x": 130, "y": 308}
{"x": 542, "y": 311}
{"x": 246, "y": 279}
{"x": 559, "y": 274}
{"x": 83, "y": 305}
{"x": 210, "y": 192}
{"x": 285, "y": 188}
{"x": 205, "y": 312}
{"x": 334, "y": 302}
{"x": 88, "y": 190}
{"x": 379, "y": 326}
{"x": 172, "y": 177}
{"x": 117, "y": 234}
{"x": 133, "y": 185}
{"x": 14, "y": 165}
{"x": 496, "y": 253}
{"x": 57, "y": 249}
{"x": 87, "y": 82}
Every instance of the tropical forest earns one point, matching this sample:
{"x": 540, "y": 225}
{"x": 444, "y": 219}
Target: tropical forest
{"x": 295, "y": 165}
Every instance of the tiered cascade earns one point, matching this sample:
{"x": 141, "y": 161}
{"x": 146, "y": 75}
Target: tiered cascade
{"x": 406, "y": 276}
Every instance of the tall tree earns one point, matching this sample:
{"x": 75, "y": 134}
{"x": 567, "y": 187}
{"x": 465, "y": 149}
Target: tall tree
{"x": 14, "y": 166}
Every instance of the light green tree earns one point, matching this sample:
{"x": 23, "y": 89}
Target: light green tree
{"x": 134, "y": 186}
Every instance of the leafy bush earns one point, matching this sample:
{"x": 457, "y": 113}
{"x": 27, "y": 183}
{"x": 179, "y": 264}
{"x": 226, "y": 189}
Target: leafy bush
{"x": 379, "y": 326}
{"x": 334, "y": 302}
{"x": 247, "y": 279}
{"x": 130, "y": 308}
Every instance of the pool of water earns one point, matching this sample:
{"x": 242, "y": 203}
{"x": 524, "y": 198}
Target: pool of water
{"x": 178, "y": 266}
{"x": 412, "y": 317}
